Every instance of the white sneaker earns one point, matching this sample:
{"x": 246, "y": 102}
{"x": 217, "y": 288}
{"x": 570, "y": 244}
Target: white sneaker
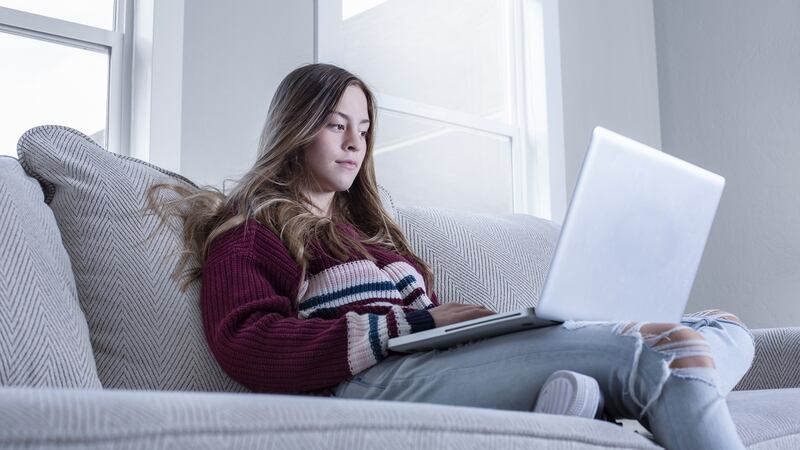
{"x": 571, "y": 394}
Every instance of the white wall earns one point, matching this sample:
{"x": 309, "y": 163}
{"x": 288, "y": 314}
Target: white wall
{"x": 730, "y": 102}
{"x": 609, "y": 77}
{"x": 234, "y": 56}
{"x": 713, "y": 82}
{"x": 156, "y": 111}
{"x": 722, "y": 94}
{"x": 608, "y": 69}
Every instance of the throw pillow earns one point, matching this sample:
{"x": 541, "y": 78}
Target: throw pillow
{"x": 146, "y": 333}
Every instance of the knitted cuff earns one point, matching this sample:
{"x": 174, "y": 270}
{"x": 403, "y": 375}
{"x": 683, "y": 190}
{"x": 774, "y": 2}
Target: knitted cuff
{"x": 420, "y": 320}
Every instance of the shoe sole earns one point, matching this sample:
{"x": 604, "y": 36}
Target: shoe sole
{"x": 570, "y": 394}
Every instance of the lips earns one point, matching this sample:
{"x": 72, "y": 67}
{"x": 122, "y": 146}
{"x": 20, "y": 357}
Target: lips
{"x": 348, "y": 164}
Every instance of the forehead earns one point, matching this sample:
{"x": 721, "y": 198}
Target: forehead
{"x": 353, "y": 100}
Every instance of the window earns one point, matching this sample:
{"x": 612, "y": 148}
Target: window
{"x": 454, "y": 83}
{"x": 64, "y": 63}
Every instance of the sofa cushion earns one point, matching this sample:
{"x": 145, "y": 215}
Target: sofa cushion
{"x": 44, "y": 337}
{"x": 767, "y": 418}
{"x": 46, "y": 418}
{"x": 498, "y": 260}
{"x": 146, "y": 333}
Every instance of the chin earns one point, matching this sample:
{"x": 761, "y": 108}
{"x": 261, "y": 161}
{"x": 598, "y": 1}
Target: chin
{"x": 344, "y": 187}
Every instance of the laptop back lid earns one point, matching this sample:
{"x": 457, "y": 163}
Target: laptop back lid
{"x": 633, "y": 235}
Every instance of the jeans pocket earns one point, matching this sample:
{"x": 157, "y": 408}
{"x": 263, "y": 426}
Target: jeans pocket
{"x": 357, "y": 386}
{"x": 364, "y": 380}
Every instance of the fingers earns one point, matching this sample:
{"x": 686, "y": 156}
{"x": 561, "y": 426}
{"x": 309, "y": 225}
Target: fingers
{"x": 450, "y": 313}
{"x": 476, "y": 311}
{"x": 470, "y": 305}
{"x": 482, "y": 308}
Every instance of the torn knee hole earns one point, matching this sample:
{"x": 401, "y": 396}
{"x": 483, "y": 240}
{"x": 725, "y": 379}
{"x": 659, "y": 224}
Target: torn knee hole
{"x": 687, "y": 346}
{"x": 663, "y": 333}
{"x": 693, "y": 361}
{"x": 718, "y": 313}
{"x": 627, "y": 327}
{"x": 733, "y": 318}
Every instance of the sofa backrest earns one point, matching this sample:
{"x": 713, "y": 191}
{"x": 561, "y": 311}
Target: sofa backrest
{"x": 147, "y": 334}
{"x": 44, "y": 338}
{"x": 496, "y": 260}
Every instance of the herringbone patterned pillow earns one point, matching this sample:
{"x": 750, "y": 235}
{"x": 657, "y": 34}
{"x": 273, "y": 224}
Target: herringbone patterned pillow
{"x": 44, "y": 339}
{"x": 146, "y": 333}
{"x": 499, "y": 261}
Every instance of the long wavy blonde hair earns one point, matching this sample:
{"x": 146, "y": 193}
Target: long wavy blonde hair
{"x": 271, "y": 191}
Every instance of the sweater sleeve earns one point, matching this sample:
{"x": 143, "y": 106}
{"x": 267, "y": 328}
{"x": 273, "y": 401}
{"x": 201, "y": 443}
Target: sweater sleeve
{"x": 434, "y": 298}
{"x": 255, "y": 335}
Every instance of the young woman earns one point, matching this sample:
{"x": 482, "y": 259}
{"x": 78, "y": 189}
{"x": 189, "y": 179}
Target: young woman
{"x": 305, "y": 278}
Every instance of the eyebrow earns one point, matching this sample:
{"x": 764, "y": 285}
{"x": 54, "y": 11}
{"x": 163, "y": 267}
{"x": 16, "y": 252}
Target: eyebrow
{"x": 347, "y": 117}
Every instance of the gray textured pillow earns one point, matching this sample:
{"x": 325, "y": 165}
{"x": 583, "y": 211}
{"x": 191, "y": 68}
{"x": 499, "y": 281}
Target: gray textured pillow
{"x": 43, "y": 333}
{"x": 499, "y": 260}
{"x": 146, "y": 333}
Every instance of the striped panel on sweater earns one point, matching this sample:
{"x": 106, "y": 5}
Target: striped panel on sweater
{"x": 336, "y": 290}
{"x": 362, "y": 283}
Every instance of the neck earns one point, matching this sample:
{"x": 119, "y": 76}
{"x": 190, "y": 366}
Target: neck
{"x": 321, "y": 203}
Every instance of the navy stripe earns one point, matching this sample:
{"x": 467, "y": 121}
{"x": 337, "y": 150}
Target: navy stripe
{"x": 407, "y": 280}
{"x": 374, "y": 340}
{"x": 365, "y": 287}
{"x": 327, "y": 298}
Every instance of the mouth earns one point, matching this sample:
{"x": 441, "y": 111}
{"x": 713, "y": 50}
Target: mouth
{"x": 348, "y": 164}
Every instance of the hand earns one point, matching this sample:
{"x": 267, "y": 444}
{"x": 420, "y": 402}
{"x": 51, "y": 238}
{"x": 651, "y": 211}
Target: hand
{"x": 449, "y": 313}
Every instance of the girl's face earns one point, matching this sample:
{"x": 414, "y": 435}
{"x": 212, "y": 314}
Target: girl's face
{"x": 342, "y": 139}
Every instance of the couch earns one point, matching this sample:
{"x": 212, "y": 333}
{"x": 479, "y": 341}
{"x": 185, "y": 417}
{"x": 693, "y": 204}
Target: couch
{"x": 99, "y": 348}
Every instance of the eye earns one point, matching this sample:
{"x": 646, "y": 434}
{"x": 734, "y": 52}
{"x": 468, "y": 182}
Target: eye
{"x": 364, "y": 134}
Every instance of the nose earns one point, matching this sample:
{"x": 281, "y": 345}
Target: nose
{"x": 353, "y": 141}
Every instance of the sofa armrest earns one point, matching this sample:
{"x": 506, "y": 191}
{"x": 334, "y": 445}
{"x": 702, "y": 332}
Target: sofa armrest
{"x": 776, "y": 364}
{"x": 82, "y": 418}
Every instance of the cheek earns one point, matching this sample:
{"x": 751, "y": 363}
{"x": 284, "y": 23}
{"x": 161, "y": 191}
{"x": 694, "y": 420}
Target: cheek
{"x": 320, "y": 151}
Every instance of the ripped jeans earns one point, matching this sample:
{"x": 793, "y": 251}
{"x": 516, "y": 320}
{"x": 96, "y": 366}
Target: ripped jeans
{"x": 683, "y": 407}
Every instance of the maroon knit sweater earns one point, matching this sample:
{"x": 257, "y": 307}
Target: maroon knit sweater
{"x": 271, "y": 336}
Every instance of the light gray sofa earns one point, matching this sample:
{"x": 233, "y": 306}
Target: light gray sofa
{"x": 100, "y": 349}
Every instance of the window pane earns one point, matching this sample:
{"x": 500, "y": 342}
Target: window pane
{"x": 43, "y": 83}
{"x": 448, "y": 53}
{"x": 96, "y": 13}
{"x": 426, "y": 163}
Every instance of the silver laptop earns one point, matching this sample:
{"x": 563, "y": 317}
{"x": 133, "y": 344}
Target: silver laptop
{"x": 629, "y": 248}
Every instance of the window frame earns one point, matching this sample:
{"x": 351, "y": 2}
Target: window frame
{"x": 118, "y": 44}
{"x": 533, "y": 96}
